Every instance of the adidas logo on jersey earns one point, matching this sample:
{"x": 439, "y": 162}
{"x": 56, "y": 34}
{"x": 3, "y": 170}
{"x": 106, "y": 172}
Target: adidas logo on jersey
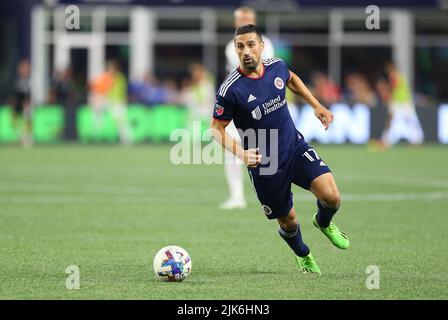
{"x": 251, "y": 98}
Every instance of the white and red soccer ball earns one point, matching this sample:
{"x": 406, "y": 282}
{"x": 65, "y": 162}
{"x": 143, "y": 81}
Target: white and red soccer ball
{"x": 172, "y": 263}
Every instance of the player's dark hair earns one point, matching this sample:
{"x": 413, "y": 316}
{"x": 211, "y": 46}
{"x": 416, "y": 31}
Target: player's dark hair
{"x": 247, "y": 28}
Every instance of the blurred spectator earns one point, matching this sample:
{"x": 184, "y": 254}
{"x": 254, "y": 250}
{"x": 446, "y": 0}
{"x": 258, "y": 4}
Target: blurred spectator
{"x": 63, "y": 92}
{"x": 384, "y": 90}
{"x": 135, "y": 91}
{"x": 63, "y": 86}
{"x": 109, "y": 92}
{"x": 149, "y": 91}
{"x": 171, "y": 92}
{"x": 324, "y": 89}
{"x": 22, "y": 108}
{"x": 359, "y": 90}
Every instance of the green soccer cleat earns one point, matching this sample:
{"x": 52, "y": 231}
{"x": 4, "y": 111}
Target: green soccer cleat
{"x": 308, "y": 264}
{"x": 336, "y": 236}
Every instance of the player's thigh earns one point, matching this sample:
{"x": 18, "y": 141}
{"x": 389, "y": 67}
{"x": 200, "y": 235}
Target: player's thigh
{"x": 274, "y": 194}
{"x": 308, "y": 166}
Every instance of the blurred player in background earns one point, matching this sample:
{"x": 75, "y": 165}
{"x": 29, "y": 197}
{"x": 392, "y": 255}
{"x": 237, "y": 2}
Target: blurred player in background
{"x": 232, "y": 165}
{"x": 109, "y": 92}
{"x": 265, "y": 80}
{"x": 198, "y": 95}
{"x": 402, "y": 121}
{"x": 22, "y": 110}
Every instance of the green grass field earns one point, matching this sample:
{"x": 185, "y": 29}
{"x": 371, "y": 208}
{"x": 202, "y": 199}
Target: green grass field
{"x": 109, "y": 209}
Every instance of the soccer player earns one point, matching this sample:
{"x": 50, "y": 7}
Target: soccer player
{"x": 402, "y": 118}
{"x": 253, "y": 96}
{"x": 232, "y": 165}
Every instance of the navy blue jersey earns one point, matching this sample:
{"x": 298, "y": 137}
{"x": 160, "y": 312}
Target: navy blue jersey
{"x": 260, "y": 104}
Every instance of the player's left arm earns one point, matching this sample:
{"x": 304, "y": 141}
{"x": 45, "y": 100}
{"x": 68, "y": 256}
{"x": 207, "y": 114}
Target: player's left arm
{"x": 296, "y": 85}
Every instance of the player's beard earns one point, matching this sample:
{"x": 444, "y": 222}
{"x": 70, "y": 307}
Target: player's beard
{"x": 251, "y": 65}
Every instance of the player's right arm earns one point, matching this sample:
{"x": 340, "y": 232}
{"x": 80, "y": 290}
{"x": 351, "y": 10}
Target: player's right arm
{"x": 222, "y": 115}
{"x": 250, "y": 157}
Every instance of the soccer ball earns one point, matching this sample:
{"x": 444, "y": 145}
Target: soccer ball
{"x": 172, "y": 263}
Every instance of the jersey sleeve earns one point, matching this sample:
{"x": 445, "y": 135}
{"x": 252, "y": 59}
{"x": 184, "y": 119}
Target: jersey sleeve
{"x": 282, "y": 69}
{"x": 223, "y": 109}
{"x": 285, "y": 70}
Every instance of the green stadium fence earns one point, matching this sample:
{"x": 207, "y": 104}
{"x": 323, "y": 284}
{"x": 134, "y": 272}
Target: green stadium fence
{"x": 146, "y": 124}
{"x": 48, "y": 124}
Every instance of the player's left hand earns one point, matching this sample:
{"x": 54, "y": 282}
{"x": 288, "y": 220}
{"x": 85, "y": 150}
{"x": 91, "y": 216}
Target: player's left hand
{"x": 324, "y": 115}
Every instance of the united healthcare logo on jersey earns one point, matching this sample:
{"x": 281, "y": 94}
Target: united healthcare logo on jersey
{"x": 256, "y": 113}
{"x": 268, "y": 107}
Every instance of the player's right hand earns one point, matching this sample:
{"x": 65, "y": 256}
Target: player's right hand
{"x": 252, "y": 158}
{"x": 324, "y": 115}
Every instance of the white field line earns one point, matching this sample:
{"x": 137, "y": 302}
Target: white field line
{"x": 128, "y": 189}
{"x": 140, "y": 194}
{"x": 201, "y": 199}
{"x": 91, "y": 189}
{"x": 386, "y": 197}
{"x": 98, "y": 200}
{"x": 394, "y": 181}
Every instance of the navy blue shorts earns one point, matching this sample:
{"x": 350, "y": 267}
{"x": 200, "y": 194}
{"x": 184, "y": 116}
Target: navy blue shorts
{"x": 274, "y": 192}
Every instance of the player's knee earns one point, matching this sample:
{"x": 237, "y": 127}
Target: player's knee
{"x": 332, "y": 199}
{"x": 287, "y": 223}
